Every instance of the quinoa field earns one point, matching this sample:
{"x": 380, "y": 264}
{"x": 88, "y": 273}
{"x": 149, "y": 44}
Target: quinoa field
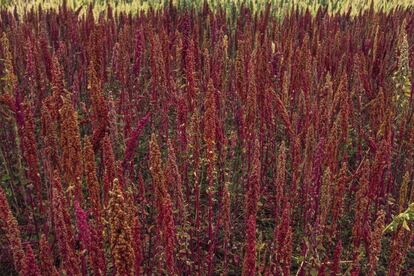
{"x": 206, "y": 137}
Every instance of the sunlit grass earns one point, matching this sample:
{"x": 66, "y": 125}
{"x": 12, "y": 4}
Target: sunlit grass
{"x": 278, "y": 7}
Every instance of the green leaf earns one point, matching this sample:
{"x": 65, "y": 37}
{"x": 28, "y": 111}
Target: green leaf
{"x": 402, "y": 218}
{"x": 313, "y": 271}
{"x": 405, "y": 225}
{"x": 5, "y": 178}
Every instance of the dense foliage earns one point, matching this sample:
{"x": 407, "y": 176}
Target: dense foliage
{"x": 206, "y": 141}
